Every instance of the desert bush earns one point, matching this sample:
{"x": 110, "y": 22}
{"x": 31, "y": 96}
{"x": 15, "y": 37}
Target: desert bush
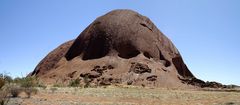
{"x": 28, "y": 82}
{"x": 2, "y": 83}
{"x": 17, "y": 80}
{"x": 4, "y": 97}
{"x": 53, "y": 89}
{"x": 42, "y": 86}
{"x": 29, "y": 91}
{"x": 25, "y": 81}
{"x": 57, "y": 85}
{"x": 74, "y": 83}
{"x": 6, "y": 77}
{"x": 15, "y": 90}
{"x": 86, "y": 81}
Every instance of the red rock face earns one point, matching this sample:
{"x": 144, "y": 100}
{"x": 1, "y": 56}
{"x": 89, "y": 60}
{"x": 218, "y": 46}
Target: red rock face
{"x": 50, "y": 61}
{"x": 127, "y": 42}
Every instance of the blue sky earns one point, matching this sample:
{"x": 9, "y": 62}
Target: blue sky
{"x": 206, "y": 32}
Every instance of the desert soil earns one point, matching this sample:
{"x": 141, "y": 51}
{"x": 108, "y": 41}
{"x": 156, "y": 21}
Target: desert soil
{"x": 126, "y": 96}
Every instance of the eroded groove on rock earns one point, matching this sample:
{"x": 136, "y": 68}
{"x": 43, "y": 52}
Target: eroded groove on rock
{"x": 144, "y": 25}
{"x": 147, "y": 55}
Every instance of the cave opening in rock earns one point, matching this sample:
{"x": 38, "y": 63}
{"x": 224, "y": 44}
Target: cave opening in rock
{"x": 147, "y": 55}
{"x": 127, "y": 50}
{"x": 98, "y": 47}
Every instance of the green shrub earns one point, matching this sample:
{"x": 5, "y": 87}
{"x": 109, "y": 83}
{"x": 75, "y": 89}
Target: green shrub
{"x": 28, "y": 82}
{"x": 87, "y": 81}
{"x": 17, "y": 80}
{"x": 75, "y": 83}
{"x": 42, "y": 86}
{"x": 57, "y": 85}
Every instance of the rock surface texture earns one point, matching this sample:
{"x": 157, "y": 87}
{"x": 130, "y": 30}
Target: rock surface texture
{"x": 120, "y": 47}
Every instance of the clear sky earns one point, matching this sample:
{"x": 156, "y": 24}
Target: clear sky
{"x": 206, "y": 32}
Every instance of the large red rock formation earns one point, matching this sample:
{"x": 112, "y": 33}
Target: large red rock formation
{"x": 120, "y": 47}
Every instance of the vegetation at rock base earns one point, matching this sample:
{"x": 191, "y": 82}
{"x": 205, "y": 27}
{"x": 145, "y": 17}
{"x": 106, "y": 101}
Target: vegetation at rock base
{"x": 4, "y": 91}
{"x": 14, "y": 87}
{"x": 4, "y": 97}
{"x": 74, "y": 83}
{"x": 30, "y": 91}
{"x": 15, "y": 90}
{"x": 2, "y": 82}
{"x": 86, "y": 81}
